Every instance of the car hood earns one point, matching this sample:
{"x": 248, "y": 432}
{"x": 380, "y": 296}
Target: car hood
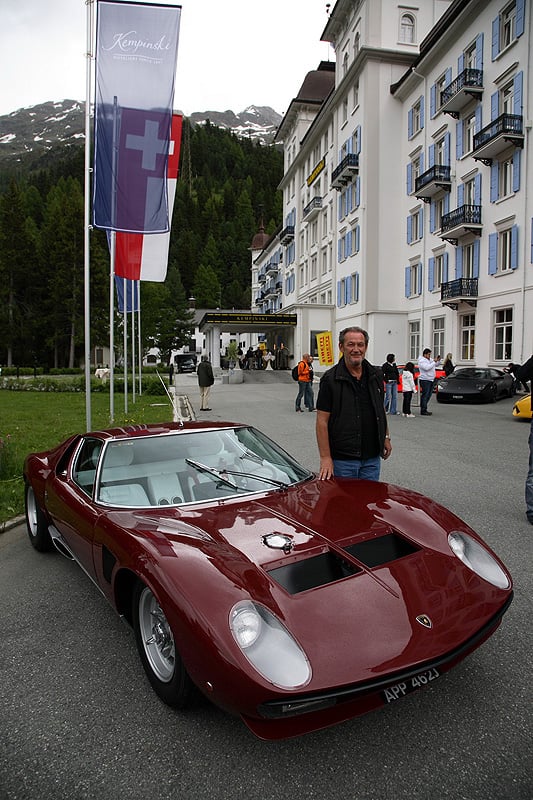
{"x": 464, "y": 384}
{"x": 355, "y": 569}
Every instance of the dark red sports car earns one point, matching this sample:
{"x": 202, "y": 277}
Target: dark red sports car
{"x": 292, "y": 602}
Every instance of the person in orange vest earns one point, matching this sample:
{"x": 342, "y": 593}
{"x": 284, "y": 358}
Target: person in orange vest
{"x": 305, "y": 384}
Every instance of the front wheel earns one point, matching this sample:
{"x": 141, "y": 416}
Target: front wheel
{"x": 36, "y": 523}
{"x": 157, "y": 650}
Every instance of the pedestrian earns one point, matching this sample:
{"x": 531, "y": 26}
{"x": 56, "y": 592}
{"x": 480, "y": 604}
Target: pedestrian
{"x": 205, "y": 380}
{"x": 391, "y": 376}
{"x": 258, "y": 355}
{"x": 525, "y": 373}
{"x": 408, "y": 388}
{"x": 447, "y": 364}
{"x": 171, "y": 374}
{"x": 305, "y": 384}
{"x": 514, "y": 369}
{"x": 282, "y": 357}
{"x": 351, "y": 427}
{"x": 249, "y": 358}
{"x": 426, "y": 379}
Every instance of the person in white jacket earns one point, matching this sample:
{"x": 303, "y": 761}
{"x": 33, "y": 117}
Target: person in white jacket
{"x": 408, "y": 388}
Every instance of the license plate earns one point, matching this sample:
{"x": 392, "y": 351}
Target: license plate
{"x": 399, "y": 690}
{"x": 457, "y": 396}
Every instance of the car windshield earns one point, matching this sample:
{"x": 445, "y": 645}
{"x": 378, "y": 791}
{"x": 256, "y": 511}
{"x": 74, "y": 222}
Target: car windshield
{"x": 187, "y": 467}
{"x": 471, "y": 372}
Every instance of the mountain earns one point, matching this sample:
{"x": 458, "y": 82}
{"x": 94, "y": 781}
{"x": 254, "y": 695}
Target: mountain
{"x": 29, "y": 133}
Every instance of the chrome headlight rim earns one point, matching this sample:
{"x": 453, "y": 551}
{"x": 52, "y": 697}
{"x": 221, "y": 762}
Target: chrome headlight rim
{"x": 476, "y": 556}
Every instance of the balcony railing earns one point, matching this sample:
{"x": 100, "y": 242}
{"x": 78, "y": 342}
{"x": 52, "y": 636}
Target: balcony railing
{"x": 497, "y": 135}
{"x": 432, "y": 181}
{"x": 312, "y": 209}
{"x": 345, "y": 172}
{"x": 460, "y": 290}
{"x": 287, "y": 235}
{"x": 459, "y": 92}
{"x": 460, "y": 221}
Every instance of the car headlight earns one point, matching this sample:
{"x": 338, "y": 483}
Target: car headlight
{"x": 478, "y": 559}
{"x": 268, "y": 646}
{"x": 481, "y": 386}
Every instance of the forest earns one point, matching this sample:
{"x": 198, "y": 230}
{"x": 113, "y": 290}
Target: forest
{"x": 226, "y": 187}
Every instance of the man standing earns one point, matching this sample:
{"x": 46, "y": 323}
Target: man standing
{"x": 391, "y": 376}
{"x": 205, "y": 380}
{"x": 426, "y": 379}
{"x": 305, "y": 384}
{"x": 351, "y": 426}
{"x": 525, "y": 373}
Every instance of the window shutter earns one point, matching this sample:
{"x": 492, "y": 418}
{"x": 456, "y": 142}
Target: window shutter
{"x": 410, "y": 123}
{"x": 357, "y": 191}
{"x": 477, "y": 190}
{"x": 431, "y": 274}
{"x": 408, "y": 281}
{"x": 419, "y": 287}
{"x": 460, "y": 195}
{"x": 459, "y": 262}
{"x": 494, "y": 178}
{"x": 493, "y": 253}
{"x": 476, "y": 258}
{"x": 445, "y": 268}
{"x": 447, "y": 141}
{"x": 358, "y": 139}
{"x": 421, "y": 223}
{"x": 357, "y": 238}
{"x": 339, "y": 294}
{"x": 356, "y": 292}
{"x": 494, "y": 106}
{"x": 479, "y": 52}
{"x": 520, "y": 9}
{"x": 409, "y": 178}
{"x": 514, "y": 247}
{"x": 459, "y": 139}
{"x": 432, "y": 217}
{"x": 433, "y": 100}
{"x": 409, "y": 230}
{"x": 422, "y": 114}
{"x": 431, "y": 156}
{"x": 348, "y": 290}
{"x": 516, "y": 170}
{"x": 460, "y": 63}
{"x": 518, "y": 84}
{"x": 495, "y": 37}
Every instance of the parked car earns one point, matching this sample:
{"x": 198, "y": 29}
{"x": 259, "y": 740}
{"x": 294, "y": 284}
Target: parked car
{"x": 439, "y": 373}
{"x": 522, "y": 408}
{"x": 187, "y": 365}
{"x": 293, "y": 602}
{"x": 475, "y": 385}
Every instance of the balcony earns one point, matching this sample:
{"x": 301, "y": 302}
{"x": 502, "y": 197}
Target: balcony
{"x": 312, "y": 209}
{"x": 467, "y": 86}
{"x": 287, "y": 235}
{"x": 461, "y": 290}
{"x": 491, "y": 140}
{"x": 272, "y": 268}
{"x": 262, "y": 276}
{"x": 432, "y": 181}
{"x": 345, "y": 172}
{"x": 459, "y": 222}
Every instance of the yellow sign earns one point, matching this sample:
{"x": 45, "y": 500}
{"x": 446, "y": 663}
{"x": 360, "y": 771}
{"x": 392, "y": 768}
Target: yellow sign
{"x": 324, "y": 343}
{"x": 316, "y": 172}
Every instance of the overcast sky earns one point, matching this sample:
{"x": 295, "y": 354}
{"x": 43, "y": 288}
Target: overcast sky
{"x": 231, "y": 54}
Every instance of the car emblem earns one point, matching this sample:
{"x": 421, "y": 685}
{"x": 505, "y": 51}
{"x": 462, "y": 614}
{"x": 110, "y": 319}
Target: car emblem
{"x": 278, "y": 541}
{"x": 424, "y": 620}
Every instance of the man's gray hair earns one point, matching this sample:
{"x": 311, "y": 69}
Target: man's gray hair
{"x": 353, "y": 329}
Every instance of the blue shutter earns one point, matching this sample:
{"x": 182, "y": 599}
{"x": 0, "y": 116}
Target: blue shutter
{"x": 349, "y": 145}
{"x": 358, "y": 139}
{"x": 419, "y": 287}
{"x": 447, "y": 203}
{"x": 357, "y": 238}
{"x": 432, "y": 216}
{"x": 460, "y": 195}
{"x": 494, "y": 106}
{"x": 349, "y": 198}
{"x": 516, "y": 170}
{"x": 431, "y": 156}
{"x": 448, "y": 76}
{"x": 348, "y": 290}
{"x": 476, "y": 258}
{"x": 409, "y": 230}
{"x": 349, "y": 250}
{"x": 431, "y": 274}
{"x": 495, "y": 37}
{"x": 459, "y": 262}
{"x": 460, "y": 63}
{"x": 421, "y": 223}
{"x": 477, "y": 190}
{"x": 422, "y": 163}
{"x": 433, "y": 100}
{"x": 459, "y": 139}
{"x": 514, "y": 247}
{"x": 339, "y": 296}
{"x": 519, "y": 21}
{"x": 357, "y": 192}
{"x": 494, "y": 180}
{"x": 408, "y": 281}
{"x": 422, "y": 114}
{"x": 410, "y": 123}
{"x": 339, "y": 206}
{"x": 409, "y": 178}
{"x": 478, "y": 112}
{"x": 339, "y": 251}
{"x": 445, "y": 269}
{"x": 447, "y": 142}
{"x": 356, "y": 294}
{"x": 479, "y": 52}
{"x": 518, "y": 83}
{"x": 493, "y": 253}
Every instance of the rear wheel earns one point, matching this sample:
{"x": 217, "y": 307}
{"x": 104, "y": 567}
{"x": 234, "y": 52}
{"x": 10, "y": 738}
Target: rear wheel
{"x": 157, "y": 650}
{"x": 36, "y": 523}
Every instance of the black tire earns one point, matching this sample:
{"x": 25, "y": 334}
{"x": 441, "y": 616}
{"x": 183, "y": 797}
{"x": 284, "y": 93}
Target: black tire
{"x": 36, "y": 523}
{"x": 157, "y": 650}
{"x": 493, "y": 394}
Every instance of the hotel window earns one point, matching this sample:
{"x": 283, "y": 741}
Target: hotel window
{"x": 440, "y": 85}
{"x": 324, "y": 262}
{"x": 356, "y": 94}
{"x": 469, "y": 129}
{"x": 354, "y": 287}
{"x": 503, "y": 334}
{"x": 413, "y": 280}
{"x": 344, "y": 111}
{"x": 356, "y": 44}
{"x": 469, "y": 261}
{"x": 414, "y": 340}
{"x": 505, "y": 177}
{"x": 503, "y": 250}
{"x": 468, "y": 337}
{"x": 507, "y": 25}
{"x": 469, "y": 59}
{"x": 415, "y": 226}
{"x": 313, "y": 268}
{"x": 345, "y": 64}
{"x": 415, "y": 118}
{"x": 407, "y": 29}
{"x": 437, "y": 335}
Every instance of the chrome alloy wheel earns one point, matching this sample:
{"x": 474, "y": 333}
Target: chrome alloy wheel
{"x": 156, "y": 636}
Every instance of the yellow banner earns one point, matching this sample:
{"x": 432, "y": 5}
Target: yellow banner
{"x": 324, "y": 342}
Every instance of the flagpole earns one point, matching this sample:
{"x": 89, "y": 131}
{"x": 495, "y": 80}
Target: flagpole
{"x": 133, "y": 300}
{"x": 125, "y": 342}
{"x": 139, "y": 334}
{"x": 112, "y": 328}
{"x": 87, "y": 226}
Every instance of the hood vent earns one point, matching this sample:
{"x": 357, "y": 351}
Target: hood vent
{"x": 380, "y": 550}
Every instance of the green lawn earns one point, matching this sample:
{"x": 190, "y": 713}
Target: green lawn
{"x": 33, "y": 421}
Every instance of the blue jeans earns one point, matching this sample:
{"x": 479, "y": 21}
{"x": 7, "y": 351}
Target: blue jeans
{"x": 426, "y": 390}
{"x": 529, "y": 479}
{"x": 366, "y": 468}
{"x": 391, "y": 396}
{"x": 305, "y": 391}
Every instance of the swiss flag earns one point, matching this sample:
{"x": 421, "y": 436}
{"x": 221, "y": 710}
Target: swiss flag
{"x": 142, "y": 256}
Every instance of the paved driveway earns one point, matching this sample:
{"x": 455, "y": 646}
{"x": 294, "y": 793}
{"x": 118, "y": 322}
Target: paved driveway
{"x": 78, "y": 719}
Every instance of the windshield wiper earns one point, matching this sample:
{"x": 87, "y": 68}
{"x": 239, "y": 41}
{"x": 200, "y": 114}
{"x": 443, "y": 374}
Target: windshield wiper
{"x": 215, "y": 473}
{"x": 263, "y": 478}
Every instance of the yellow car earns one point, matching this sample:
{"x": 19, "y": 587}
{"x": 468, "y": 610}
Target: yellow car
{"x": 522, "y": 408}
